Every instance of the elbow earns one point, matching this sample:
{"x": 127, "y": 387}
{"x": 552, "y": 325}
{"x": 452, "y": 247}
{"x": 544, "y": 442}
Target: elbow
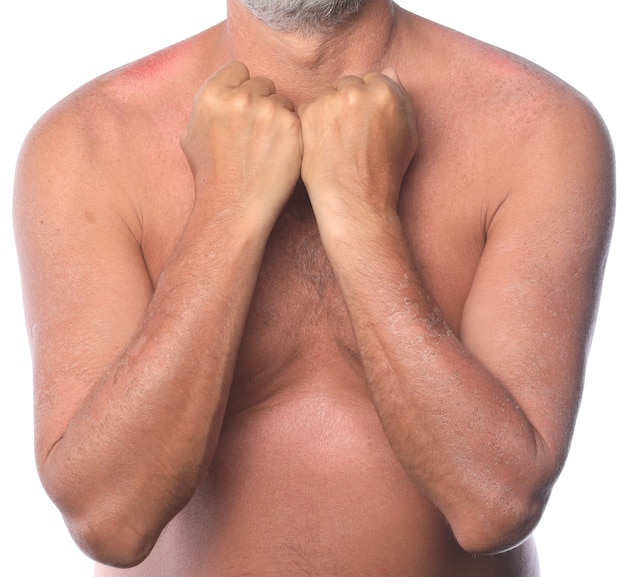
{"x": 104, "y": 530}
{"x": 111, "y": 542}
{"x": 107, "y": 524}
{"x": 500, "y": 524}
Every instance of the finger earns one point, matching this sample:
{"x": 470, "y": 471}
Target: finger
{"x": 284, "y": 101}
{"x": 387, "y": 76}
{"x": 260, "y": 86}
{"x": 300, "y": 110}
{"x": 232, "y": 75}
{"x": 321, "y": 95}
{"x": 346, "y": 81}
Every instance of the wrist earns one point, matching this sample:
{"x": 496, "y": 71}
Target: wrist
{"x": 360, "y": 229}
{"x": 344, "y": 214}
{"x": 217, "y": 205}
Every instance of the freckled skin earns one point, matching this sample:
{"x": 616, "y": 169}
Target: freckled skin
{"x": 335, "y": 328}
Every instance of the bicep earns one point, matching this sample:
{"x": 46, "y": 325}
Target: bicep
{"x": 530, "y": 312}
{"x": 84, "y": 282}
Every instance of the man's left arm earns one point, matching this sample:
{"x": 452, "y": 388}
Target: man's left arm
{"x": 481, "y": 419}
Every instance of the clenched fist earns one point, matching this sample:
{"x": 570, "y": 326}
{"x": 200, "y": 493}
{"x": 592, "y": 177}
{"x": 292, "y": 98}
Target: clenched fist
{"x": 243, "y": 143}
{"x": 358, "y": 140}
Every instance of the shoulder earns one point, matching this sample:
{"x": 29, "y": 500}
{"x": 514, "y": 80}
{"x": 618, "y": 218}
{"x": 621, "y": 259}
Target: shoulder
{"x": 154, "y": 91}
{"x": 547, "y": 149}
{"x": 520, "y": 154}
{"x": 100, "y": 141}
{"x": 105, "y": 110}
{"x": 513, "y": 116}
{"x": 458, "y": 69}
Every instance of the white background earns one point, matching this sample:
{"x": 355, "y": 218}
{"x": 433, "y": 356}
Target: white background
{"x": 48, "y": 48}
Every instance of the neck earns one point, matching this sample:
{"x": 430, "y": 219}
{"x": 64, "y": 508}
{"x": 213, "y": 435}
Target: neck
{"x": 301, "y": 64}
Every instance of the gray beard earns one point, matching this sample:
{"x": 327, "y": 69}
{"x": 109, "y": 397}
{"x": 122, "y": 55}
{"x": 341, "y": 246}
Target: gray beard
{"x": 304, "y": 16}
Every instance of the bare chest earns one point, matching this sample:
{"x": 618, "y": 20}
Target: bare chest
{"x": 297, "y": 309}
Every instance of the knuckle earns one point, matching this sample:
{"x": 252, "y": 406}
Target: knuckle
{"x": 207, "y": 97}
{"x": 238, "y": 67}
{"x": 264, "y": 108}
{"x": 240, "y": 100}
{"x": 384, "y": 92}
{"x": 352, "y": 96}
{"x": 264, "y": 83}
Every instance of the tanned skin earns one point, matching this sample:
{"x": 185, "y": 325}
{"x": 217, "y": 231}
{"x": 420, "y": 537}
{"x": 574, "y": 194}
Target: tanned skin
{"x": 312, "y": 305}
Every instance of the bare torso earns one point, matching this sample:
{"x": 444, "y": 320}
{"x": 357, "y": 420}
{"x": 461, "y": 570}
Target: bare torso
{"x": 304, "y": 481}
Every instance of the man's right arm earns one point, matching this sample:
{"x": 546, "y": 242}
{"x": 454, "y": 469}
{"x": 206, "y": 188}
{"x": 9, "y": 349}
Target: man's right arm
{"x": 131, "y": 381}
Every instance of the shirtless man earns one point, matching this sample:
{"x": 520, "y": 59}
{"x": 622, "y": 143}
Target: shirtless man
{"x": 338, "y": 327}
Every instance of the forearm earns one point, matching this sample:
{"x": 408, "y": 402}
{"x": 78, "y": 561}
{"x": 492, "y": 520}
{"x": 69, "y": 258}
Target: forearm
{"x": 122, "y": 453}
{"x": 455, "y": 427}
{"x": 135, "y": 452}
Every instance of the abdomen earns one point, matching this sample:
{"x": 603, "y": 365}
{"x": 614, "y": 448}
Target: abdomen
{"x": 307, "y": 484}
